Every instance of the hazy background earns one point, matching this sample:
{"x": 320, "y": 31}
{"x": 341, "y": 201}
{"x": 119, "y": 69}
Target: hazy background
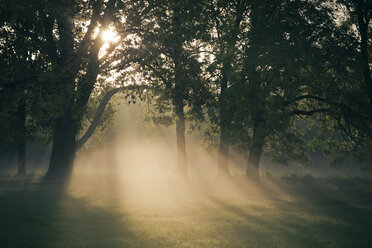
{"x": 136, "y": 148}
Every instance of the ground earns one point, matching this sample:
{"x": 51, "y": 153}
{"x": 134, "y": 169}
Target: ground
{"x": 309, "y": 214}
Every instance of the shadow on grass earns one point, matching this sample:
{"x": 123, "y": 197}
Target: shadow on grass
{"x": 311, "y": 217}
{"x": 317, "y": 217}
{"x": 51, "y": 218}
{"x": 259, "y": 227}
{"x": 340, "y": 216}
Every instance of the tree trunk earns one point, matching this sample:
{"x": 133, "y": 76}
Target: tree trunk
{"x": 21, "y": 143}
{"x": 226, "y": 109}
{"x": 223, "y": 166}
{"x": 21, "y": 148}
{"x": 63, "y": 152}
{"x": 253, "y": 162}
{"x": 255, "y": 152}
{"x": 180, "y": 129}
{"x": 178, "y": 101}
{"x": 363, "y": 30}
{"x": 181, "y": 145}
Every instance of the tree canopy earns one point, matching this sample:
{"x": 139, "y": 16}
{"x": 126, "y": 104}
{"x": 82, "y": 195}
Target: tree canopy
{"x": 278, "y": 77}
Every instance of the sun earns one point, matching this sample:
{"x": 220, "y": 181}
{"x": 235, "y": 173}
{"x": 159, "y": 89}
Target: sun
{"x": 110, "y": 35}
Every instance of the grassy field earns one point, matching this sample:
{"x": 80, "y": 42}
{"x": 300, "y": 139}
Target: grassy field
{"x": 308, "y": 214}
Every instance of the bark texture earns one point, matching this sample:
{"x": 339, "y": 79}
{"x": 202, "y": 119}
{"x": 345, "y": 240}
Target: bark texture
{"x": 255, "y": 152}
{"x": 63, "y": 151}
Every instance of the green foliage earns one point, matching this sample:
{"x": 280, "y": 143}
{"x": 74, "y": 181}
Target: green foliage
{"x": 167, "y": 57}
{"x": 20, "y": 66}
{"x": 258, "y": 70}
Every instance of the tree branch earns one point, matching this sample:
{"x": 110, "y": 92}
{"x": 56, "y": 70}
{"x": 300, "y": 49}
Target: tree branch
{"x": 50, "y": 43}
{"x": 101, "y": 109}
{"x": 309, "y": 112}
{"x": 338, "y": 105}
{"x": 84, "y": 44}
{"x": 158, "y": 74}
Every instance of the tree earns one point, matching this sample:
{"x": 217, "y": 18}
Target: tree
{"x": 348, "y": 103}
{"x": 20, "y": 62}
{"x": 227, "y": 21}
{"x": 268, "y": 89}
{"x": 69, "y": 40}
{"x": 166, "y": 31}
{"x": 75, "y": 65}
{"x": 361, "y": 10}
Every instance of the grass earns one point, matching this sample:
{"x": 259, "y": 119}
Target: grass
{"x": 308, "y": 215}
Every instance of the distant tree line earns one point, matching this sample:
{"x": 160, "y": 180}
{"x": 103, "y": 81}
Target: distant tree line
{"x": 279, "y": 77}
